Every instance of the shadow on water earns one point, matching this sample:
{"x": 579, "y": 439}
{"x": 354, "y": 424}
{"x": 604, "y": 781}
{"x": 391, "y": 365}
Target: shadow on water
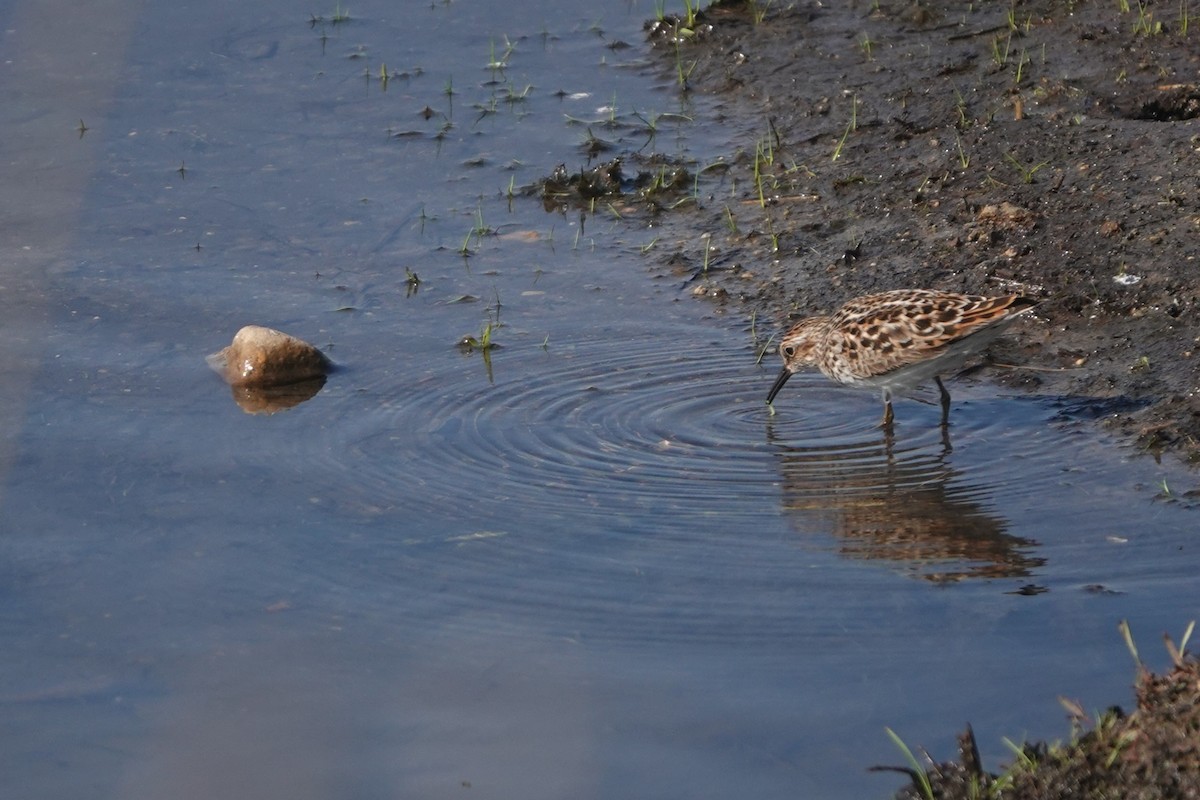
{"x": 910, "y": 506}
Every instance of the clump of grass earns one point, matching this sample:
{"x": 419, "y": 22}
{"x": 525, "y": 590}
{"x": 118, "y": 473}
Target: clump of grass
{"x": 1000, "y": 55}
{"x": 478, "y": 230}
{"x": 1027, "y": 172}
{"x": 497, "y": 63}
{"x": 483, "y": 342}
{"x": 1145, "y": 23}
{"x": 1102, "y": 759}
{"x": 683, "y": 73}
{"x": 691, "y": 10}
{"x": 960, "y": 105}
{"x": 759, "y": 10}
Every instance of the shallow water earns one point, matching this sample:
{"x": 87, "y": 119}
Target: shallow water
{"x": 592, "y": 567}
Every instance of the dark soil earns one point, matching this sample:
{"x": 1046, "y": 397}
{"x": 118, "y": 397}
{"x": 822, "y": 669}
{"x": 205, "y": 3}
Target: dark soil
{"x": 1152, "y": 753}
{"x": 1044, "y": 148}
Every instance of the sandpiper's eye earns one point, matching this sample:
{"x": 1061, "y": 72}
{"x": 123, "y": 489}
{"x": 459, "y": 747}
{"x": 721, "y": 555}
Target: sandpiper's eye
{"x": 789, "y": 350}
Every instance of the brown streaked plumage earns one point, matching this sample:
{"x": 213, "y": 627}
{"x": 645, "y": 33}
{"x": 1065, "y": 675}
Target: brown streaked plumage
{"x": 897, "y": 340}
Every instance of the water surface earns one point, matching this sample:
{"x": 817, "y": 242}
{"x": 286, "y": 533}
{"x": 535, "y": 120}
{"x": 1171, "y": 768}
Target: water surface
{"x": 591, "y": 565}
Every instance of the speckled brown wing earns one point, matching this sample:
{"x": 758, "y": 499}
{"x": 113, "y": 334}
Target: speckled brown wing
{"x": 873, "y": 335}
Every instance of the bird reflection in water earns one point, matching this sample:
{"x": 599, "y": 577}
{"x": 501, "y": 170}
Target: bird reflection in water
{"x": 908, "y": 506}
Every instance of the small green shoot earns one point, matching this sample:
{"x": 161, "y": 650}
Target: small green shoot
{"x": 1187, "y": 635}
{"x": 1127, "y": 634}
{"x": 766, "y": 348}
{"x": 850, "y": 127}
{"x": 1145, "y": 23}
{"x": 865, "y": 44}
{"x": 759, "y": 10}
{"x": 683, "y": 73}
{"x": 730, "y": 222}
{"x": 691, "y": 9}
{"x": 763, "y": 157}
{"x": 1020, "y": 752}
{"x": 1000, "y": 56}
{"x": 1022, "y": 60}
{"x": 920, "y": 776}
{"x": 482, "y": 344}
{"x": 1027, "y": 173}
{"x": 412, "y": 282}
{"x": 500, "y": 63}
{"x": 964, "y": 160}
{"x": 960, "y": 106}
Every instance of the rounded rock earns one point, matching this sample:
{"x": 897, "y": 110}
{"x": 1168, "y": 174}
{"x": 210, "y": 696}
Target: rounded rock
{"x": 262, "y": 357}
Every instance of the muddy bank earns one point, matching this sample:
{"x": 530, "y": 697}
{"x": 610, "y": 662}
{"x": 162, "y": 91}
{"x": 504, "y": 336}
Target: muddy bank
{"x": 1045, "y": 148}
{"x": 1148, "y": 753}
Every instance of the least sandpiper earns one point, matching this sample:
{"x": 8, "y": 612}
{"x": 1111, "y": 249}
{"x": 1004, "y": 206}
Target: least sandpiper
{"x": 897, "y": 340}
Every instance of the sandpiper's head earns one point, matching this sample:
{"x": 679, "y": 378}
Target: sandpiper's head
{"x": 798, "y": 349}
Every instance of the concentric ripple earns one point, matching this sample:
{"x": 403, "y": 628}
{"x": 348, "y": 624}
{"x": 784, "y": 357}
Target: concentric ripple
{"x": 611, "y": 487}
{"x": 600, "y": 427}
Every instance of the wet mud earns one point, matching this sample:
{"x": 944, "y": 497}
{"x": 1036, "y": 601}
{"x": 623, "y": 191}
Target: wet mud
{"x": 1045, "y": 148}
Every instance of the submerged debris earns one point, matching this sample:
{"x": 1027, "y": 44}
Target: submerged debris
{"x": 660, "y": 183}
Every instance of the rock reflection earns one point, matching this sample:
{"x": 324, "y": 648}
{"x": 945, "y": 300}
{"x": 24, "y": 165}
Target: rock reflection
{"x": 911, "y": 507}
{"x": 269, "y": 399}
